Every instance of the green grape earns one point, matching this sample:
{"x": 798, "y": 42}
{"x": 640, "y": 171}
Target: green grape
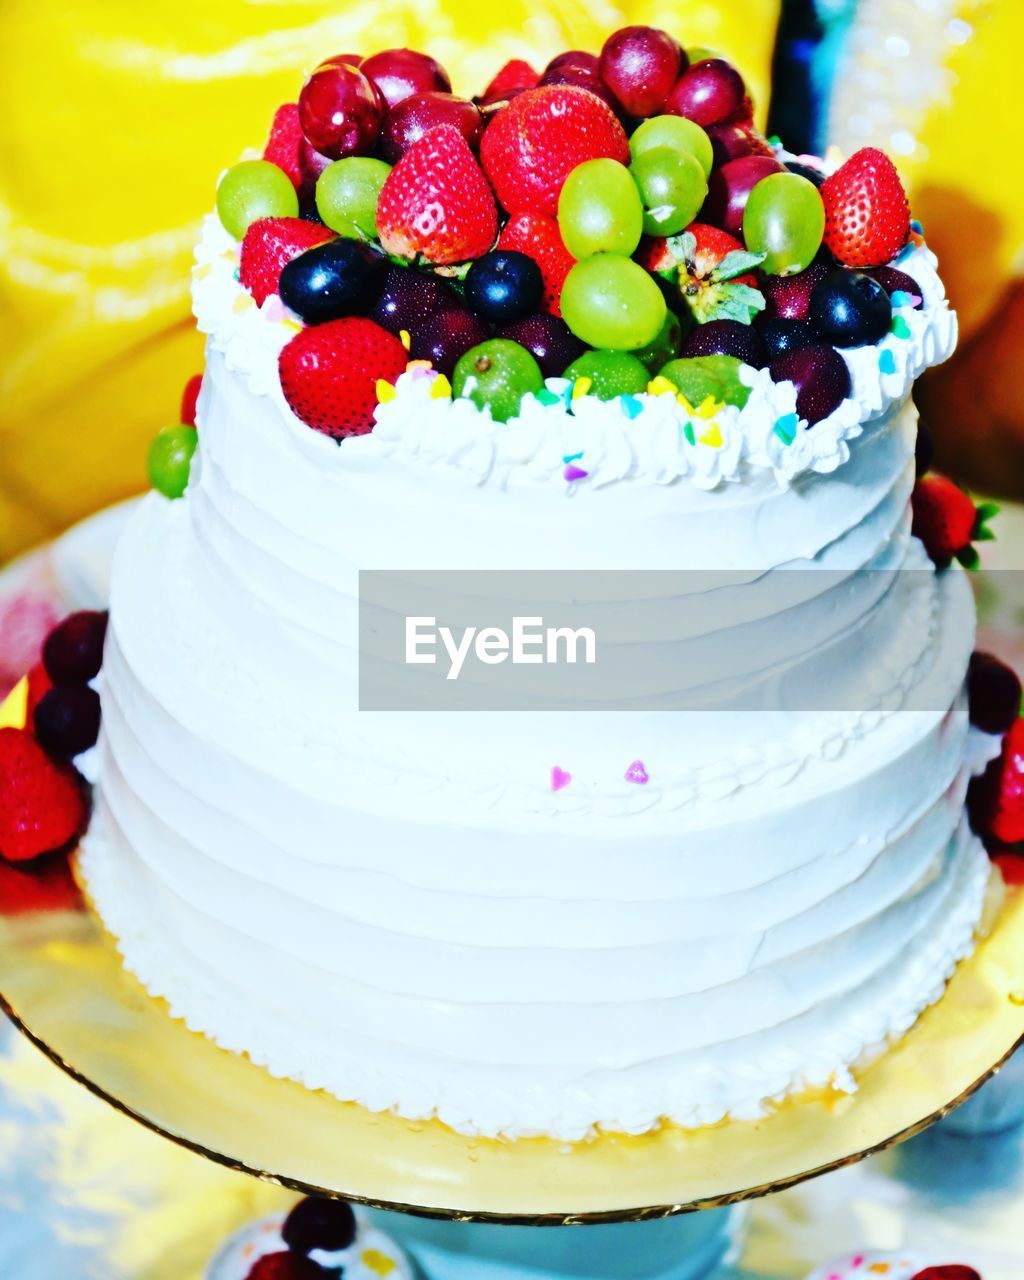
{"x": 254, "y": 189}
{"x": 666, "y": 344}
{"x": 495, "y": 375}
{"x": 700, "y": 53}
{"x": 599, "y": 210}
{"x": 784, "y": 219}
{"x": 672, "y": 186}
{"x": 169, "y": 459}
{"x": 610, "y": 301}
{"x": 698, "y": 377}
{"x": 611, "y": 373}
{"x": 346, "y": 196}
{"x": 676, "y": 132}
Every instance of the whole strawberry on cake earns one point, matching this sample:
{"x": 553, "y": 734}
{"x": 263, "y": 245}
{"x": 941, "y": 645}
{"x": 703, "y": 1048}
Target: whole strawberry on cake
{"x": 589, "y": 320}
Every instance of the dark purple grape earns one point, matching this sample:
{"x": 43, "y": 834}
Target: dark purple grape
{"x": 549, "y": 340}
{"x": 789, "y": 297}
{"x": 726, "y": 338}
{"x": 503, "y": 286}
{"x": 849, "y": 309}
{"x": 407, "y": 298}
{"x": 67, "y": 719}
{"x": 316, "y": 1223}
{"x": 446, "y": 336}
{"x": 806, "y": 171}
{"x": 893, "y": 281}
{"x": 73, "y": 651}
{"x": 780, "y": 336}
{"x": 820, "y": 376}
{"x": 993, "y": 693}
{"x": 332, "y": 280}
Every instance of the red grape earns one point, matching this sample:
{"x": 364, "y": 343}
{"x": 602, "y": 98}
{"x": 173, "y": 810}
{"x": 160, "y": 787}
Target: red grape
{"x": 730, "y": 187}
{"x": 821, "y": 378}
{"x": 411, "y": 119}
{"x": 640, "y": 66}
{"x": 789, "y": 297}
{"x": 399, "y": 73}
{"x": 573, "y": 58}
{"x": 583, "y": 78}
{"x": 708, "y": 92}
{"x": 339, "y": 111}
{"x": 732, "y": 141}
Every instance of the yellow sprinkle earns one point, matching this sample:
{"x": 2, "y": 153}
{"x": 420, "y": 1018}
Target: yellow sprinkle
{"x": 377, "y": 1261}
{"x": 708, "y": 407}
{"x": 685, "y": 405}
{"x": 385, "y": 391}
{"x": 660, "y": 386}
{"x": 405, "y": 338}
{"x": 419, "y": 364}
{"x": 242, "y": 303}
{"x": 712, "y": 436}
{"x": 581, "y": 386}
{"x": 440, "y": 388}
{"x": 14, "y": 708}
{"x": 293, "y": 325}
{"x": 202, "y": 271}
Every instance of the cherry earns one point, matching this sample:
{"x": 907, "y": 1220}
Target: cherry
{"x": 413, "y": 116}
{"x": 408, "y": 298}
{"x": 548, "y": 339}
{"x": 582, "y": 77}
{"x": 789, "y": 297}
{"x": 726, "y": 338}
{"x": 399, "y": 73}
{"x": 640, "y": 65}
{"x": 709, "y": 92}
{"x": 732, "y": 141}
{"x": 67, "y": 719}
{"x": 316, "y": 1223}
{"x": 574, "y": 58}
{"x": 287, "y": 1266}
{"x": 339, "y": 111}
{"x": 445, "y": 336}
{"x": 993, "y": 693}
{"x": 820, "y": 376}
{"x": 730, "y": 188}
{"x": 73, "y": 651}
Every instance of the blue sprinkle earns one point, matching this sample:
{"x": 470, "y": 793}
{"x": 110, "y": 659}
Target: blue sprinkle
{"x": 887, "y": 361}
{"x": 786, "y": 427}
{"x": 573, "y": 457}
{"x": 631, "y": 405}
{"x": 688, "y": 432}
{"x": 900, "y": 299}
{"x": 916, "y": 226}
{"x": 905, "y": 252}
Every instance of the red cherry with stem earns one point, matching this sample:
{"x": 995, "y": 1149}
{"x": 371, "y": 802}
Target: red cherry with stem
{"x": 399, "y": 73}
{"x": 821, "y": 378}
{"x": 709, "y": 92}
{"x": 411, "y": 119}
{"x": 640, "y": 66}
{"x": 730, "y": 188}
{"x": 339, "y": 111}
{"x": 446, "y": 336}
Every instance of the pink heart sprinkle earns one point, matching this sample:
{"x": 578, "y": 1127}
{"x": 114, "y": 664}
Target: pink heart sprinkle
{"x": 573, "y": 472}
{"x": 559, "y": 778}
{"x": 637, "y": 773}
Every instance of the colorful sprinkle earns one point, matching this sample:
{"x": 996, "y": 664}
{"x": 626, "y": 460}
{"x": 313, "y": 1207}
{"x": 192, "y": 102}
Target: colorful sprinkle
{"x": 637, "y": 773}
{"x": 631, "y": 406}
{"x": 377, "y": 1262}
{"x": 559, "y": 778}
{"x": 202, "y": 271}
{"x": 547, "y": 397}
{"x": 900, "y": 327}
{"x": 572, "y": 457}
{"x": 900, "y": 298}
{"x": 712, "y": 437}
{"x": 688, "y": 432}
{"x": 405, "y": 338}
{"x": 242, "y": 303}
{"x": 573, "y": 472}
{"x": 887, "y": 361}
{"x": 660, "y": 386}
{"x": 916, "y": 226}
{"x": 385, "y": 391}
{"x": 786, "y": 427}
{"x": 420, "y": 368}
{"x": 440, "y": 388}
{"x": 581, "y": 386}
{"x": 708, "y": 407}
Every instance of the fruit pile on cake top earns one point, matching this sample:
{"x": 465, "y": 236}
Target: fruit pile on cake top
{"x": 612, "y": 229}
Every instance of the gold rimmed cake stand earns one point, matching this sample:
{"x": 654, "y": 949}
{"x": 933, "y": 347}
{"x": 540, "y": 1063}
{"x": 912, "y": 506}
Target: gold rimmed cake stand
{"x": 63, "y": 984}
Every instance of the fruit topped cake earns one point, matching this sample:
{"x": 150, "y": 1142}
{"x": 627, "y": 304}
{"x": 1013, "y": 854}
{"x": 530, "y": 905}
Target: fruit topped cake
{"x": 591, "y": 320}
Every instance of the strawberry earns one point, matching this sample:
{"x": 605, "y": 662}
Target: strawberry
{"x": 39, "y": 682}
{"x": 531, "y": 146}
{"x": 711, "y": 270}
{"x": 329, "y": 374}
{"x": 288, "y": 149}
{"x": 867, "y": 215}
{"x": 47, "y": 885}
{"x": 540, "y": 239}
{"x": 951, "y": 1271}
{"x": 1011, "y": 867}
{"x": 287, "y": 1266}
{"x": 514, "y": 75}
{"x": 42, "y": 802}
{"x": 271, "y": 243}
{"x": 947, "y": 521}
{"x": 996, "y": 798}
{"x": 435, "y": 205}
{"x": 188, "y": 399}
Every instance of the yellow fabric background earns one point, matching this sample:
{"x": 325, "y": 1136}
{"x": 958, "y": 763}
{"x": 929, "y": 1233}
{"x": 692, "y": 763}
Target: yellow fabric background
{"x": 117, "y": 119}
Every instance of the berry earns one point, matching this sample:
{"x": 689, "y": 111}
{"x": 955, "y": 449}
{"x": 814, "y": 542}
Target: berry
{"x": 996, "y": 799}
{"x": 287, "y": 1266}
{"x": 532, "y": 145}
{"x": 1011, "y": 867}
{"x": 188, "y": 399}
{"x": 271, "y": 243}
{"x": 339, "y": 111}
{"x": 515, "y": 75}
{"x": 677, "y": 133}
{"x": 707, "y": 271}
{"x": 333, "y": 280}
{"x": 708, "y": 92}
{"x": 42, "y": 802}
{"x": 612, "y": 302}
{"x": 574, "y": 58}
{"x": 807, "y": 171}
{"x": 169, "y": 460}
{"x": 415, "y": 116}
{"x": 729, "y": 189}
{"x": 347, "y": 193}
{"x": 945, "y": 518}
{"x": 611, "y": 373}
{"x": 504, "y": 285}
{"x": 951, "y": 1271}
{"x": 867, "y": 215}
{"x": 895, "y": 281}
{"x": 73, "y": 651}
{"x": 436, "y": 203}
{"x": 407, "y": 298}
{"x": 400, "y": 73}
{"x": 702, "y": 376}
{"x": 789, "y": 297}
{"x": 726, "y": 338}
{"x": 993, "y": 693}
{"x": 46, "y": 885}
{"x": 329, "y": 374}
{"x": 582, "y": 77}
{"x": 284, "y": 146}
{"x": 599, "y": 209}
{"x": 540, "y": 239}
{"x": 640, "y": 66}
{"x": 849, "y": 309}
{"x": 496, "y": 375}
{"x": 784, "y": 219}
{"x": 39, "y": 682}
{"x": 548, "y": 339}
{"x": 446, "y": 336}
{"x": 780, "y": 336}
{"x": 821, "y": 378}
{"x": 733, "y": 141}
{"x": 316, "y": 1223}
{"x": 251, "y": 190}
{"x": 67, "y": 719}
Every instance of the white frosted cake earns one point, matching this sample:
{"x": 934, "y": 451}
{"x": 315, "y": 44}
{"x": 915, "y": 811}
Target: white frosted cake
{"x": 526, "y": 922}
